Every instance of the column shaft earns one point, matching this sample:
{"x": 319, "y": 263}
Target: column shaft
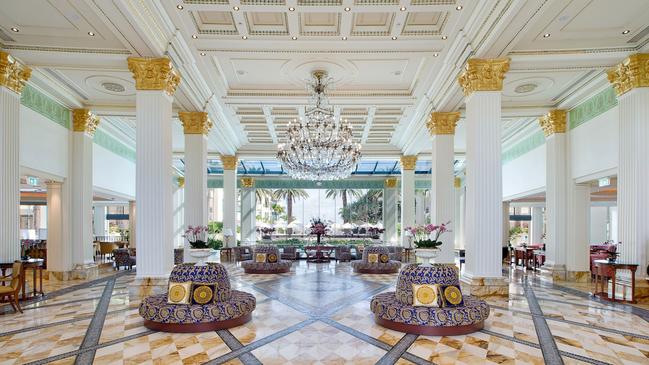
{"x": 556, "y": 204}
{"x": 578, "y": 242}
{"x": 390, "y": 213}
{"x": 100, "y": 224}
{"x": 81, "y": 186}
{"x": 153, "y": 184}
{"x": 195, "y": 183}
{"x": 442, "y": 206}
{"x": 9, "y": 175}
{"x": 407, "y": 202}
{"x": 59, "y": 245}
{"x": 420, "y": 208}
{"x": 248, "y": 218}
{"x": 461, "y": 226}
{"x": 229, "y": 204}
{"x": 505, "y": 224}
{"x": 536, "y": 236}
{"x": 132, "y": 214}
{"x": 178, "y": 218}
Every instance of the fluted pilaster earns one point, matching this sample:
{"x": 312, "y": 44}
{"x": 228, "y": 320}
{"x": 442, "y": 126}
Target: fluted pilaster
{"x": 408, "y": 164}
{"x": 390, "y": 211}
{"x": 248, "y": 211}
{"x": 81, "y": 199}
{"x": 556, "y": 205}
{"x": 442, "y": 192}
{"x": 536, "y": 236}
{"x": 9, "y": 175}
{"x": 195, "y": 182}
{"x": 230, "y": 197}
{"x": 59, "y": 255}
{"x": 577, "y": 248}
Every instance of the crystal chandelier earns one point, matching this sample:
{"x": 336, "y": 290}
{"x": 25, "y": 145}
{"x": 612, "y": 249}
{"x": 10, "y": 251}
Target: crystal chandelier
{"x": 319, "y": 147}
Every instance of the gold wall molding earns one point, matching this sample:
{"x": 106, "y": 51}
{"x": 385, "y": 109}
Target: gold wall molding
{"x": 83, "y": 120}
{"x": 631, "y": 73}
{"x": 483, "y": 75}
{"x": 229, "y": 162}
{"x": 195, "y": 122}
{"x": 390, "y": 183}
{"x": 442, "y": 122}
{"x": 408, "y": 162}
{"x": 247, "y": 182}
{"x": 554, "y": 122}
{"x": 13, "y": 74}
{"x": 154, "y": 74}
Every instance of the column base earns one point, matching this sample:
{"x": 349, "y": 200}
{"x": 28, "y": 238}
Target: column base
{"x": 553, "y": 272}
{"x": 85, "y": 272}
{"x": 487, "y": 287}
{"x": 143, "y": 287}
{"x": 57, "y": 275}
{"x": 578, "y": 276}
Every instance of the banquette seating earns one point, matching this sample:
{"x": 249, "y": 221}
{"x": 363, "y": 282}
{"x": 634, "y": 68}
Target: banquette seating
{"x": 266, "y": 260}
{"x": 376, "y": 260}
{"x": 199, "y": 299}
{"x": 428, "y": 301}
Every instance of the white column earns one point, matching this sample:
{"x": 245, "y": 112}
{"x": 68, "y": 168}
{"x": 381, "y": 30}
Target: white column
{"x": 457, "y": 193}
{"x": 390, "y": 211}
{"x": 155, "y": 82}
{"x": 59, "y": 246}
{"x": 196, "y": 126}
{"x": 178, "y": 216}
{"x": 83, "y": 129}
{"x": 408, "y": 164}
{"x": 598, "y": 224}
{"x": 11, "y": 84}
{"x": 536, "y": 235}
{"x": 556, "y": 192}
{"x": 505, "y": 224}
{"x": 248, "y": 211}
{"x": 578, "y": 241}
{"x": 630, "y": 83}
{"x": 459, "y": 231}
{"x": 420, "y": 208}
{"x": 442, "y": 192}
{"x": 132, "y": 227}
{"x": 230, "y": 198}
{"x": 613, "y": 228}
{"x": 482, "y": 82}
{"x": 100, "y": 224}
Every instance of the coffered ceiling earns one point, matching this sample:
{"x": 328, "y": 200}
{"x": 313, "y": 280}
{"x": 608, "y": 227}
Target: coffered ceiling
{"x": 392, "y": 61}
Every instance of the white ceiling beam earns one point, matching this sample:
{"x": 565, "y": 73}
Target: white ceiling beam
{"x": 368, "y": 123}
{"x": 270, "y": 122}
{"x": 239, "y": 18}
{"x": 292, "y": 19}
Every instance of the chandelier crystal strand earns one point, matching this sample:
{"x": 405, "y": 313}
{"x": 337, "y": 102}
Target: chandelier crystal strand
{"x": 319, "y": 147}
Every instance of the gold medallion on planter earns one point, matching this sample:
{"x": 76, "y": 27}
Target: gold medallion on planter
{"x": 425, "y": 295}
{"x": 202, "y": 293}
{"x": 260, "y": 257}
{"x": 272, "y": 258}
{"x": 452, "y": 295}
{"x": 372, "y": 258}
{"x": 179, "y": 292}
{"x": 384, "y": 258}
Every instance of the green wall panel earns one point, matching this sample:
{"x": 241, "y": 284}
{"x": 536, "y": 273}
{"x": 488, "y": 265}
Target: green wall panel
{"x": 589, "y": 109}
{"x": 104, "y": 140}
{"x": 47, "y": 107}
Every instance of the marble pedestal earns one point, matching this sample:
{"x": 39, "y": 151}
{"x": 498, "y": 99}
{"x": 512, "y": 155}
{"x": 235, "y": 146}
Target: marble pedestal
{"x": 578, "y": 276}
{"x": 144, "y": 287}
{"x": 486, "y": 287}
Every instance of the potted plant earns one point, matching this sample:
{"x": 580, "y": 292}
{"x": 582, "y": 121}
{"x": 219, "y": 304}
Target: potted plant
{"x": 612, "y": 253}
{"x": 318, "y": 228}
{"x": 266, "y": 232}
{"x": 198, "y": 241}
{"x": 427, "y": 248}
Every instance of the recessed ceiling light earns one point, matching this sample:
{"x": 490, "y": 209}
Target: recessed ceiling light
{"x": 444, "y": 37}
{"x": 91, "y": 34}
{"x": 435, "y": 54}
{"x": 459, "y": 7}
{"x": 203, "y": 53}
{"x": 403, "y": 8}
{"x": 179, "y": 7}
{"x": 344, "y": 38}
{"x": 291, "y": 9}
{"x": 394, "y": 37}
{"x": 626, "y": 31}
{"x": 194, "y": 36}
{"x": 244, "y": 37}
{"x": 14, "y": 29}
{"x": 546, "y": 35}
{"x": 236, "y": 8}
{"x": 293, "y": 37}
{"x": 348, "y": 9}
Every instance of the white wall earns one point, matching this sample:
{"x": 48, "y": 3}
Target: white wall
{"x": 43, "y": 143}
{"x": 525, "y": 173}
{"x": 112, "y": 173}
{"x": 594, "y": 145}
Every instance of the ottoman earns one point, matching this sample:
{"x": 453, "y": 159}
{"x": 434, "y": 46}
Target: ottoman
{"x": 376, "y": 260}
{"x": 266, "y": 260}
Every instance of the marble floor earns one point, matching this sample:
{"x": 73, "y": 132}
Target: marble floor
{"x": 319, "y": 314}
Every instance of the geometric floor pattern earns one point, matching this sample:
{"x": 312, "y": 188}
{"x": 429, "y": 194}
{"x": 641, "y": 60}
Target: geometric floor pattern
{"x": 319, "y": 314}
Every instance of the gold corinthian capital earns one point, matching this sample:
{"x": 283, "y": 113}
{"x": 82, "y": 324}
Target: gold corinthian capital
{"x": 154, "y": 74}
{"x": 442, "y": 122}
{"x": 631, "y": 73}
{"x": 408, "y": 162}
{"x": 229, "y": 162}
{"x": 483, "y": 75}
{"x": 554, "y": 122}
{"x": 195, "y": 122}
{"x": 13, "y": 74}
{"x": 83, "y": 120}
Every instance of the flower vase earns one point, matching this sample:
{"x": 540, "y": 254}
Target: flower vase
{"x": 201, "y": 254}
{"x": 426, "y": 255}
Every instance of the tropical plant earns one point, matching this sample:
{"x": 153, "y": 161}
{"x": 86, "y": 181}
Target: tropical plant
{"x": 264, "y": 196}
{"x": 343, "y": 193}
{"x": 197, "y": 236}
{"x": 368, "y": 208}
{"x": 290, "y": 195}
{"x": 215, "y": 227}
{"x": 422, "y": 234}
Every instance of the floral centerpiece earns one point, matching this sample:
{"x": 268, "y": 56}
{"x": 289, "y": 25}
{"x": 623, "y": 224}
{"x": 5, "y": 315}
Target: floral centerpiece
{"x": 374, "y": 232}
{"x": 266, "y": 232}
{"x": 318, "y": 228}
{"x": 427, "y": 240}
{"x": 198, "y": 241}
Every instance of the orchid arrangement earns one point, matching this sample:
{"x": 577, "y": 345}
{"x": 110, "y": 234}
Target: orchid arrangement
{"x": 422, "y": 234}
{"x": 266, "y": 230}
{"x": 197, "y": 236}
{"x": 318, "y": 227}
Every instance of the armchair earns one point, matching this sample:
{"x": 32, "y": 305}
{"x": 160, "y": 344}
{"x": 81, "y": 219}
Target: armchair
{"x": 289, "y": 253}
{"x": 343, "y": 253}
{"x": 123, "y": 258}
{"x": 242, "y": 253}
{"x": 12, "y": 291}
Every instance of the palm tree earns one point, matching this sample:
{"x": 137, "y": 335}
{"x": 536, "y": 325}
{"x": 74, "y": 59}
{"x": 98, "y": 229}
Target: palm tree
{"x": 290, "y": 195}
{"x": 344, "y": 193}
{"x": 264, "y": 196}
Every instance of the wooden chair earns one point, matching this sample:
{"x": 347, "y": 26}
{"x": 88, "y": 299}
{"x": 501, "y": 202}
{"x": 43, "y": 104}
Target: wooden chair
{"x": 13, "y": 289}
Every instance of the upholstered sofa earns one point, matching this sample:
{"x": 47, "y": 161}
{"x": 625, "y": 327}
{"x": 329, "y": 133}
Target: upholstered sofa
{"x": 343, "y": 253}
{"x": 242, "y": 253}
{"x": 397, "y": 310}
{"x": 376, "y": 260}
{"x": 266, "y": 260}
{"x": 225, "y": 308}
{"x": 124, "y": 258}
{"x": 289, "y": 253}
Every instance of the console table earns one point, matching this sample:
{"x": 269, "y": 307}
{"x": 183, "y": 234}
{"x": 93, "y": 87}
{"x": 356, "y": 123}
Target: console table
{"x": 605, "y": 270}
{"x": 36, "y": 265}
{"x": 321, "y": 254}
